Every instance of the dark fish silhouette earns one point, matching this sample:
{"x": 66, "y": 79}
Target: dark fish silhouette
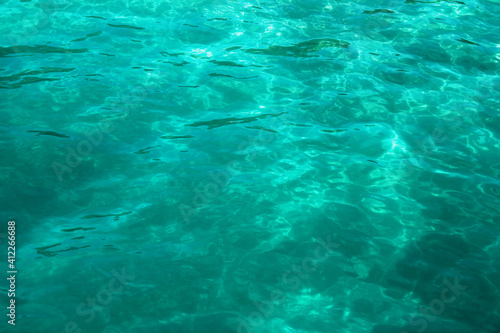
{"x": 59, "y": 135}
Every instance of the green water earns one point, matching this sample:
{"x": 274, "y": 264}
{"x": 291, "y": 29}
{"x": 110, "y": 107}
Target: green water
{"x": 284, "y": 166}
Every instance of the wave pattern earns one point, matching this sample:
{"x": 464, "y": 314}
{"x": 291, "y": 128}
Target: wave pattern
{"x": 253, "y": 166}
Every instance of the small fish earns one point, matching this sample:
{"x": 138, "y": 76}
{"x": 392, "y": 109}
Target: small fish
{"x": 59, "y": 135}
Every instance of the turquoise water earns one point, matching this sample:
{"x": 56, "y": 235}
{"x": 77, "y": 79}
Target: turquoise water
{"x": 260, "y": 166}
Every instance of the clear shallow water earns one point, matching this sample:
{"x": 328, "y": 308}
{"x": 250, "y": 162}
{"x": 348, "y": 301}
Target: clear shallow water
{"x": 286, "y": 166}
